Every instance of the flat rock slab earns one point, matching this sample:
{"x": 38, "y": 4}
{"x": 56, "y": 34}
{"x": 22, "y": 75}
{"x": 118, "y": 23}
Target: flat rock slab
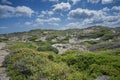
{"x": 2, "y": 45}
{"x": 3, "y": 54}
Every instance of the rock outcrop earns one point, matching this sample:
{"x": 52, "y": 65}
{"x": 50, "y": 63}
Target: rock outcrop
{"x": 64, "y": 47}
{"x": 3, "y": 54}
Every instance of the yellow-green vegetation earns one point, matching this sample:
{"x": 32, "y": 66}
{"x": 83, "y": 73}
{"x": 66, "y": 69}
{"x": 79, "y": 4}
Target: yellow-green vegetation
{"x": 94, "y": 64}
{"x": 17, "y": 45}
{"x": 26, "y": 63}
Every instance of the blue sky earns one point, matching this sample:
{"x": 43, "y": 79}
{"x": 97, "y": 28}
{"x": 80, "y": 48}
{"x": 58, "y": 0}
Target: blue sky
{"x": 24, "y": 15}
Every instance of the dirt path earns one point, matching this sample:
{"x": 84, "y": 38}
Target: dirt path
{"x": 3, "y": 54}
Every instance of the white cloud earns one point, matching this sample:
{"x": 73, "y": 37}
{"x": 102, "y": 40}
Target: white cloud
{"x": 41, "y": 16}
{"x": 61, "y": 7}
{"x": 93, "y": 1}
{"x": 74, "y": 25}
{"x": 53, "y": 21}
{"x": 49, "y": 13}
{"x": 106, "y": 9}
{"x": 49, "y": 20}
{"x": 75, "y": 1}
{"x": 54, "y": 24}
{"x": 80, "y": 13}
{"x": 102, "y": 1}
{"x": 9, "y": 11}
{"x": 54, "y": 0}
{"x": 6, "y": 2}
{"x": 116, "y": 8}
{"x": 107, "y": 1}
{"x": 51, "y": 0}
{"x": 28, "y": 23}
{"x": 6, "y": 11}
{"x": 46, "y": 13}
{"x": 95, "y": 17}
{"x": 23, "y": 10}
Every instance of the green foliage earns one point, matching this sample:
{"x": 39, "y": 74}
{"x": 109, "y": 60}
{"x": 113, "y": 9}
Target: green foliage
{"x": 92, "y": 42}
{"x": 108, "y": 36}
{"x": 25, "y": 63}
{"x": 32, "y": 38}
{"x": 4, "y": 39}
{"x": 44, "y": 46}
{"x": 50, "y": 37}
{"x": 17, "y": 45}
{"x": 96, "y": 34}
{"x": 94, "y": 64}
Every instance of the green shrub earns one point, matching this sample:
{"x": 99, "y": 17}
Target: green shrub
{"x": 108, "y": 36}
{"x": 17, "y": 45}
{"x": 4, "y": 39}
{"x": 50, "y": 37}
{"x": 33, "y": 38}
{"x": 94, "y": 64}
{"x": 46, "y": 47}
{"x": 27, "y": 64}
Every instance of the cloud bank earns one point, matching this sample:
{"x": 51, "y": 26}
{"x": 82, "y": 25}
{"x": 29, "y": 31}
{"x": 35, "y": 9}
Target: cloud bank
{"x": 9, "y": 11}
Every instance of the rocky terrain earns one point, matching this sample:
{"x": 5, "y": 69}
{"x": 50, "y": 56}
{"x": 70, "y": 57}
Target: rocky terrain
{"x": 84, "y": 54}
{"x": 78, "y": 39}
{"x": 3, "y": 54}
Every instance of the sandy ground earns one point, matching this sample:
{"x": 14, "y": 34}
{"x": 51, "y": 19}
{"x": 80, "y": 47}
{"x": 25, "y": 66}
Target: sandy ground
{"x": 3, "y": 54}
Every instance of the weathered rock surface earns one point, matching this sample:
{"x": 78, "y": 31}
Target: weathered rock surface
{"x": 103, "y": 78}
{"x": 75, "y": 40}
{"x": 3, "y": 53}
{"x": 41, "y": 39}
{"x": 64, "y": 47}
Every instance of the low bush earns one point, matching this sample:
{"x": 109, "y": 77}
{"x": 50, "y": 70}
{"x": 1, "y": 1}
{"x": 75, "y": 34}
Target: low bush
{"x": 108, "y": 36}
{"x": 4, "y": 39}
{"x": 93, "y": 64}
{"x": 29, "y": 64}
{"x": 17, "y": 45}
{"x": 33, "y": 38}
{"x": 44, "y": 46}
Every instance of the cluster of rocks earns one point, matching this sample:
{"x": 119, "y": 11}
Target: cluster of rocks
{"x": 58, "y": 38}
{"x": 64, "y": 47}
{"x": 41, "y": 39}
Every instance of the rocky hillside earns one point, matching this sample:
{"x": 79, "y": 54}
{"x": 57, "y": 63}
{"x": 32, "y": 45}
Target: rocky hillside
{"x": 75, "y": 54}
{"x": 91, "y": 38}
